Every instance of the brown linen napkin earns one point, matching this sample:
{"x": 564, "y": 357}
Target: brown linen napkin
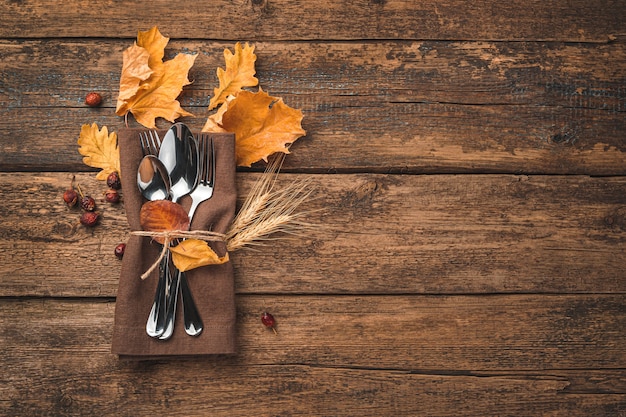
{"x": 212, "y": 286}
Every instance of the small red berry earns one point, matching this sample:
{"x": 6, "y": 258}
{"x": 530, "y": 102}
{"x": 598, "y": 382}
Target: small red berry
{"x": 112, "y": 196}
{"x": 87, "y": 203}
{"x": 268, "y": 321}
{"x": 113, "y": 180}
{"x": 70, "y": 196}
{"x": 93, "y": 99}
{"x": 119, "y": 250}
{"x": 89, "y": 218}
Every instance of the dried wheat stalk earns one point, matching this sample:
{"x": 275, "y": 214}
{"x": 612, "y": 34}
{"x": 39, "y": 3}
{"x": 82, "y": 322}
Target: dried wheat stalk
{"x": 267, "y": 211}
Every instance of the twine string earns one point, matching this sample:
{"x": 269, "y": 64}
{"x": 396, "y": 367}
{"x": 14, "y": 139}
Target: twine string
{"x": 172, "y": 235}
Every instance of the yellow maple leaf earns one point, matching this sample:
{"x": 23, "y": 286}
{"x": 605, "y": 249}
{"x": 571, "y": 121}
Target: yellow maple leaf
{"x": 151, "y": 94}
{"x": 135, "y": 69}
{"x": 239, "y": 73}
{"x": 262, "y": 125}
{"x": 215, "y": 120}
{"x": 194, "y": 253}
{"x": 99, "y": 149}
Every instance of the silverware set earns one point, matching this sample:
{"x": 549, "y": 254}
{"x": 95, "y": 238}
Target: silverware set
{"x": 173, "y": 167}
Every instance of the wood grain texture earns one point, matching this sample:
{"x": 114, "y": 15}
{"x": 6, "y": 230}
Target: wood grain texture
{"x": 470, "y": 161}
{"x": 577, "y": 20}
{"x": 332, "y": 356}
{"x": 410, "y": 107}
{"x": 375, "y": 234}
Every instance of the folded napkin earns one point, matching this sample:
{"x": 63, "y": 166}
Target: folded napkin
{"x": 212, "y": 286}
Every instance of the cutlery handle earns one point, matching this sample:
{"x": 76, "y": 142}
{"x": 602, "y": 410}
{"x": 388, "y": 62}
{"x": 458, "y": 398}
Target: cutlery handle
{"x": 193, "y": 322}
{"x": 155, "y": 326}
{"x": 163, "y": 314}
{"x": 172, "y": 299}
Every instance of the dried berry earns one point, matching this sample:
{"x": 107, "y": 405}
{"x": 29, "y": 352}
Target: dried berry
{"x": 119, "y": 250}
{"x": 112, "y": 196}
{"x": 268, "y": 321}
{"x": 89, "y": 218}
{"x": 70, "y": 196}
{"x": 93, "y": 99}
{"x": 113, "y": 181}
{"x": 87, "y": 203}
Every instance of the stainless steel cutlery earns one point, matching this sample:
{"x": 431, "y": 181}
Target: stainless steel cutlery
{"x": 173, "y": 167}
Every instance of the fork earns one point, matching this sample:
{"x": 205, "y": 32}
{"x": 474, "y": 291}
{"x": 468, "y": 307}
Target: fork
{"x": 206, "y": 169}
{"x": 202, "y": 192}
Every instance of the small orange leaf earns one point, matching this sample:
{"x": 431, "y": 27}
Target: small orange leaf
{"x": 194, "y": 253}
{"x": 155, "y": 95}
{"x": 135, "y": 69}
{"x": 262, "y": 125}
{"x": 163, "y": 216}
{"x": 239, "y": 73}
{"x": 99, "y": 149}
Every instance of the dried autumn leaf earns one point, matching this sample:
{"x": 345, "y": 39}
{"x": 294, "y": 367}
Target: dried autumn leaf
{"x": 194, "y": 253}
{"x": 213, "y": 122}
{"x": 239, "y": 73}
{"x": 135, "y": 69}
{"x": 154, "y": 96}
{"x": 262, "y": 125}
{"x": 99, "y": 149}
{"x": 163, "y": 216}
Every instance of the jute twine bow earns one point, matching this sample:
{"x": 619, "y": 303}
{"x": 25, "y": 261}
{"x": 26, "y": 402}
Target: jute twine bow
{"x": 172, "y": 235}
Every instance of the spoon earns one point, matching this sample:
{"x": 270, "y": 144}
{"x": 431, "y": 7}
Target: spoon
{"x": 179, "y": 154}
{"x": 154, "y": 183}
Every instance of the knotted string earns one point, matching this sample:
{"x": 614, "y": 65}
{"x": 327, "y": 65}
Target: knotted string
{"x": 171, "y": 235}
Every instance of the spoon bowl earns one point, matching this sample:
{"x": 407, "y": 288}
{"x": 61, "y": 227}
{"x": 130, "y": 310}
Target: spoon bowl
{"x": 179, "y": 155}
{"x": 152, "y": 179}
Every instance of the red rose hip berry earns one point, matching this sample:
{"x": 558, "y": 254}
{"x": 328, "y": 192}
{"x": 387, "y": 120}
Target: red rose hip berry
{"x": 89, "y": 218}
{"x": 93, "y": 99}
{"x": 70, "y": 196}
{"x": 112, "y": 196}
{"x": 268, "y": 321}
{"x": 87, "y": 203}
{"x": 113, "y": 181}
{"x": 119, "y": 250}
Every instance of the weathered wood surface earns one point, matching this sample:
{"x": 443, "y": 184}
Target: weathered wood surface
{"x": 506, "y": 107}
{"x": 374, "y": 234}
{"x": 500, "y": 355}
{"x": 576, "y": 20}
{"x": 495, "y": 286}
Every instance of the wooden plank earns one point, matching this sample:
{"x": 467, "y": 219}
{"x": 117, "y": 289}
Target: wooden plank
{"x": 377, "y": 234}
{"x": 400, "y": 138}
{"x": 576, "y": 20}
{"x": 470, "y": 334}
{"x": 264, "y": 391}
{"x": 408, "y": 107}
{"x": 294, "y": 390}
{"x": 455, "y": 72}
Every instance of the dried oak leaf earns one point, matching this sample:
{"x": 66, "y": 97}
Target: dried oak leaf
{"x": 163, "y": 216}
{"x": 239, "y": 73}
{"x": 262, "y": 125}
{"x": 194, "y": 253}
{"x": 99, "y": 149}
{"x": 148, "y": 86}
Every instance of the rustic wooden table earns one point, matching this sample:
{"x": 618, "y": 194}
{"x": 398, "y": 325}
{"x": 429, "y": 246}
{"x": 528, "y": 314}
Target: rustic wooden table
{"x": 471, "y": 161}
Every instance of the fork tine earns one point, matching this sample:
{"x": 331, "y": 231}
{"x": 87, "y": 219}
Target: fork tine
{"x": 156, "y": 142}
{"x": 211, "y": 181}
{"x": 201, "y": 157}
{"x": 145, "y": 149}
